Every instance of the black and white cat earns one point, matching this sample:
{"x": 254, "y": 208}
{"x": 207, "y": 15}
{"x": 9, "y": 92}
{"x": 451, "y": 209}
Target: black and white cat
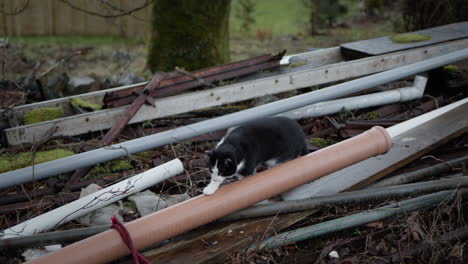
{"x": 270, "y": 141}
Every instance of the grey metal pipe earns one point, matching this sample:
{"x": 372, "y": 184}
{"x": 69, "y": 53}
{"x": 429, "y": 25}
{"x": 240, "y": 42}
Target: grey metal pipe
{"x": 50, "y": 238}
{"x": 354, "y": 197}
{"x": 92, "y": 157}
{"x": 419, "y": 174}
{"x": 363, "y": 101}
{"x": 356, "y": 219}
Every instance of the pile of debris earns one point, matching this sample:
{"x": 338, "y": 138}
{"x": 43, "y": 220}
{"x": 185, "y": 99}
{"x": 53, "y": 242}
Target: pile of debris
{"x": 168, "y": 123}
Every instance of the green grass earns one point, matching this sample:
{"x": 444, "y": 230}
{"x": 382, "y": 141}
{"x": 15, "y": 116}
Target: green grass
{"x": 72, "y": 41}
{"x": 279, "y": 16}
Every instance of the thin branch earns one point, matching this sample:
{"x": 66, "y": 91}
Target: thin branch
{"x": 16, "y": 12}
{"x": 121, "y": 12}
{"x": 194, "y": 77}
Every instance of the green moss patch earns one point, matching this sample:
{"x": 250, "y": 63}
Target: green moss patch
{"x": 296, "y": 64}
{"x": 373, "y": 115}
{"x": 109, "y": 167}
{"x": 409, "y": 38}
{"x": 144, "y": 156}
{"x": 321, "y": 142}
{"x": 25, "y": 159}
{"x": 77, "y": 102}
{"x": 451, "y": 68}
{"x": 43, "y": 114}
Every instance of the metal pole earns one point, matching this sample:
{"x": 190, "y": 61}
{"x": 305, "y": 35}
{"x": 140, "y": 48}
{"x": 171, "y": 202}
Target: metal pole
{"x": 355, "y": 220}
{"x": 89, "y": 158}
{"x": 364, "y": 101}
{"x": 419, "y": 174}
{"x": 355, "y": 197}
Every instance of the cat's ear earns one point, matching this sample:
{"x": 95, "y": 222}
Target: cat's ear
{"x": 209, "y": 153}
{"x": 227, "y": 162}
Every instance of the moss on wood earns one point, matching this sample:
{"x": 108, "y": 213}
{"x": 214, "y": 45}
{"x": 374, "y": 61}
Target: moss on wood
{"x": 77, "y": 102}
{"x": 189, "y": 34}
{"x": 321, "y": 142}
{"x": 108, "y": 168}
{"x": 296, "y": 64}
{"x": 451, "y": 68}
{"x": 373, "y": 115}
{"x": 43, "y": 114}
{"x": 409, "y": 38}
{"x": 25, "y": 159}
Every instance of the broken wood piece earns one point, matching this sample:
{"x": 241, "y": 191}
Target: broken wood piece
{"x": 118, "y": 127}
{"x": 412, "y": 139}
{"x": 203, "y": 209}
{"x": 218, "y": 243}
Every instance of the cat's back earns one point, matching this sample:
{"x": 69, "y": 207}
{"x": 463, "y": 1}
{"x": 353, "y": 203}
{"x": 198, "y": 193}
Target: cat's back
{"x": 269, "y": 130}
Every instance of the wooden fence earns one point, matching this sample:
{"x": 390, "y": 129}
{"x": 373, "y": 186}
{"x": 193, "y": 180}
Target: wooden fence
{"x": 54, "y": 17}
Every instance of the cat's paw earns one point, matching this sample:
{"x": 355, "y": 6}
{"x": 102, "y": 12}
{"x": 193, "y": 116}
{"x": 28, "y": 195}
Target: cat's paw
{"x": 209, "y": 190}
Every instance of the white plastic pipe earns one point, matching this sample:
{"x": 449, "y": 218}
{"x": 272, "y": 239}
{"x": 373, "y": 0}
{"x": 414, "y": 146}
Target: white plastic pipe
{"x": 359, "y": 102}
{"x": 95, "y": 200}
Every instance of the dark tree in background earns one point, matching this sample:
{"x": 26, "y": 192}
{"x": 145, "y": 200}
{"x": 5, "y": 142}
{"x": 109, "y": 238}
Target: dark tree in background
{"x": 323, "y": 14}
{"x": 189, "y": 34}
{"x": 431, "y": 13}
{"x": 245, "y": 14}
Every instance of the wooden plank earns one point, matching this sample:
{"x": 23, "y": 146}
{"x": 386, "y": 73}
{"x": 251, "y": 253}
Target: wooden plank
{"x": 99, "y": 120}
{"x": 379, "y": 46}
{"x": 323, "y": 57}
{"x": 218, "y": 243}
{"x": 94, "y": 97}
{"x": 408, "y": 145}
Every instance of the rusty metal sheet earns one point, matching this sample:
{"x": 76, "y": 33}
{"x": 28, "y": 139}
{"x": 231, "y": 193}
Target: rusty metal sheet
{"x": 179, "y": 83}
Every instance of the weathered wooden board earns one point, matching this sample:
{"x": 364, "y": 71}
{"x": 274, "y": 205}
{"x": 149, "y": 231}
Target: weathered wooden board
{"x": 407, "y": 147}
{"x": 218, "y": 243}
{"x": 18, "y": 112}
{"x": 322, "y": 57}
{"x": 379, "y": 46}
{"x": 104, "y": 119}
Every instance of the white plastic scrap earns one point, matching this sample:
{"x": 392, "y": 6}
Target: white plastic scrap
{"x": 334, "y": 254}
{"x": 33, "y": 253}
{"x": 100, "y": 216}
{"x": 148, "y": 202}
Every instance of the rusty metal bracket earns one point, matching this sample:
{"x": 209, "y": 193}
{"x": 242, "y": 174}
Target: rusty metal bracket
{"x": 178, "y": 81}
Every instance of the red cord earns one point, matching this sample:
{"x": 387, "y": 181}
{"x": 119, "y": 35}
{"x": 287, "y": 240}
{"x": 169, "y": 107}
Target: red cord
{"x": 127, "y": 239}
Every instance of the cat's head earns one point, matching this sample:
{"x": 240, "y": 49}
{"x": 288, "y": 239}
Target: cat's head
{"x": 222, "y": 162}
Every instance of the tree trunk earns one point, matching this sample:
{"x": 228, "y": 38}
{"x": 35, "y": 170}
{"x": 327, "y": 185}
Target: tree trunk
{"x": 189, "y": 34}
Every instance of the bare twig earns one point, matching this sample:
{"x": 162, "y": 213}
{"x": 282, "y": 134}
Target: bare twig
{"x": 16, "y": 11}
{"x": 194, "y": 77}
{"x": 121, "y": 13}
{"x": 78, "y": 52}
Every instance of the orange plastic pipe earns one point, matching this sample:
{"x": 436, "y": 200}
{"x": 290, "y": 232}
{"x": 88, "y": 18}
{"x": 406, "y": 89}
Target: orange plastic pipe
{"x": 200, "y": 210}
